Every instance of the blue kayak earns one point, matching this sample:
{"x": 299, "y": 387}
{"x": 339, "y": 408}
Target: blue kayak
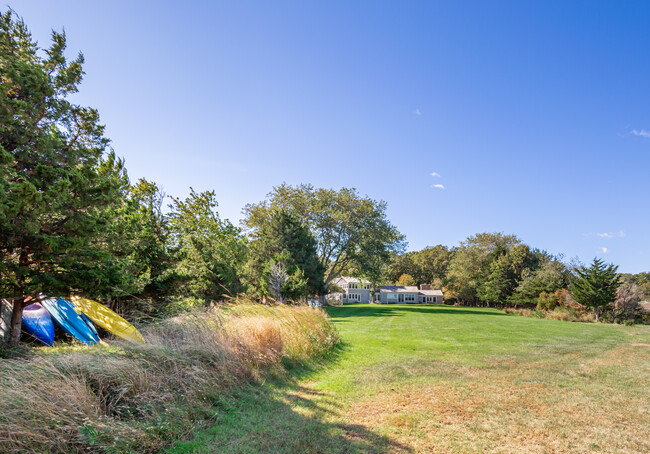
{"x": 38, "y": 323}
{"x": 88, "y": 322}
{"x": 62, "y": 311}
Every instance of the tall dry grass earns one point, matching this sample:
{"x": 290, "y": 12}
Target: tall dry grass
{"x": 559, "y": 313}
{"x": 137, "y": 398}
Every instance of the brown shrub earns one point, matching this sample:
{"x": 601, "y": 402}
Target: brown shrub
{"x": 559, "y": 313}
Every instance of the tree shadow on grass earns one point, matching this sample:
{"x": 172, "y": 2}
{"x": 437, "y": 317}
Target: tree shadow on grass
{"x": 302, "y": 370}
{"x": 285, "y": 418}
{"x": 338, "y": 313}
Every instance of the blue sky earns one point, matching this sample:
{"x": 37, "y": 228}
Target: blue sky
{"x": 534, "y": 116}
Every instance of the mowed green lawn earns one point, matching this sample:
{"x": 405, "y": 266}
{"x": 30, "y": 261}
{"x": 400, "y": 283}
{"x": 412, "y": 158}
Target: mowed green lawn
{"x": 412, "y": 378}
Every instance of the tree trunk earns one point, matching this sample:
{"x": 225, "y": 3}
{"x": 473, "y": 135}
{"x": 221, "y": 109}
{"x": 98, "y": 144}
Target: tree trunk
{"x": 16, "y": 322}
{"x": 597, "y": 310}
{"x": 322, "y": 300}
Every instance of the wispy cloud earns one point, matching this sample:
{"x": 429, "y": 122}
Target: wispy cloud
{"x": 603, "y": 250}
{"x": 417, "y": 112}
{"x": 610, "y": 235}
{"x": 435, "y": 174}
{"x": 641, "y": 133}
{"x": 438, "y": 186}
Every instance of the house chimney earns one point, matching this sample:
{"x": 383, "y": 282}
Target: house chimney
{"x": 425, "y": 287}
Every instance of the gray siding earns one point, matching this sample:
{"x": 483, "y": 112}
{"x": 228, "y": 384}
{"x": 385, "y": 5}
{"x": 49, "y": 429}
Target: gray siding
{"x": 431, "y": 299}
{"x": 398, "y": 298}
{"x": 364, "y": 296}
{"x": 419, "y": 299}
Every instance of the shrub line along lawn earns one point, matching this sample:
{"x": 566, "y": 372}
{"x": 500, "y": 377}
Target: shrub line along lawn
{"x": 411, "y": 378}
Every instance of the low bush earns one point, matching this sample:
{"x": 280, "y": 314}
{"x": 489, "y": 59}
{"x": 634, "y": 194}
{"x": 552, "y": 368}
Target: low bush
{"x": 559, "y": 313}
{"x": 121, "y": 397}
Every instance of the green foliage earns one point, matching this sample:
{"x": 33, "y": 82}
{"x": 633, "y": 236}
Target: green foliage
{"x": 282, "y": 248}
{"x": 487, "y": 268}
{"x": 207, "y": 249}
{"x": 595, "y": 287}
{"x": 406, "y": 279}
{"x": 55, "y": 185}
{"x": 350, "y": 231}
{"x": 547, "y": 301}
{"x": 551, "y": 276}
{"x": 151, "y": 245}
{"x": 471, "y": 267}
{"x": 283, "y": 279}
{"x": 426, "y": 266}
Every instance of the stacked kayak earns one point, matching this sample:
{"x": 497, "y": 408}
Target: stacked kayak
{"x": 63, "y": 312}
{"x": 107, "y": 319}
{"x": 73, "y": 315}
{"x": 38, "y": 323}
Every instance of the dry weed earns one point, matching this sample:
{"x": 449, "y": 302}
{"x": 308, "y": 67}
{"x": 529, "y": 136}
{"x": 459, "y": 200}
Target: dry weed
{"x": 126, "y": 397}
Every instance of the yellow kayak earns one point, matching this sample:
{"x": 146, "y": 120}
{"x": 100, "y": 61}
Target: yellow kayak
{"x": 107, "y": 319}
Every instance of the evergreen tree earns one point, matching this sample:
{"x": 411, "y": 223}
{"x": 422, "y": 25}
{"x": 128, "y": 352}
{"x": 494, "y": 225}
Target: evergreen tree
{"x": 595, "y": 286}
{"x": 550, "y": 277}
{"x": 54, "y": 185}
{"x": 283, "y": 239}
{"x": 151, "y": 244}
{"x": 208, "y": 249}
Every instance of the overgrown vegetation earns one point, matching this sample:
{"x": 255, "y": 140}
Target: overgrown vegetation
{"x": 138, "y": 398}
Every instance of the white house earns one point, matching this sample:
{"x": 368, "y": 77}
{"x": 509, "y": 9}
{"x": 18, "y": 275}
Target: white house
{"x": 354, "y": 290}
{"x": 409, "y": 294}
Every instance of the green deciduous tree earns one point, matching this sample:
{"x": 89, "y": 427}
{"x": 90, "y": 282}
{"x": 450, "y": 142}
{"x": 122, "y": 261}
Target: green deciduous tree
{"x": 432, "y": 263}
{"x": 402, "y": 264}
{"x": 349, "y": 230}
{"x": 426, "y": 266}
{"x": 54, "y": 187}
{"x": 470, "y": 266}
{"x": 504, "y": 273}
{"x": 595, "y": 286}
{"x": 406, "y": 280}
{"x": 551, "y": 276}
{"x": 628, "y": 297}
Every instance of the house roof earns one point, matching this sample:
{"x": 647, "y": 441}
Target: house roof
{"x": 349, "y": 280}
{"x": 398, "y": 288}
{"x": 409, "y": 289}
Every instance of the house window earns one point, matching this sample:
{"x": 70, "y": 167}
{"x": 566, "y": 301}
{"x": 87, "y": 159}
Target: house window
{"x": 409, "y": 298}
{"x": 391, "y": 297}
{"x": 354, "y": 297}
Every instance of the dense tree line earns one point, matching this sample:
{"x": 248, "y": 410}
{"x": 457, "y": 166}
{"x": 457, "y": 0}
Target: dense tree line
{"x": 485, "y": 269}
{"x": 494, "y": 269}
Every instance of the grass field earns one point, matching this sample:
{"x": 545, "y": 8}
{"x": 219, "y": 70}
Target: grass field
{"x": 451, "y": 379}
